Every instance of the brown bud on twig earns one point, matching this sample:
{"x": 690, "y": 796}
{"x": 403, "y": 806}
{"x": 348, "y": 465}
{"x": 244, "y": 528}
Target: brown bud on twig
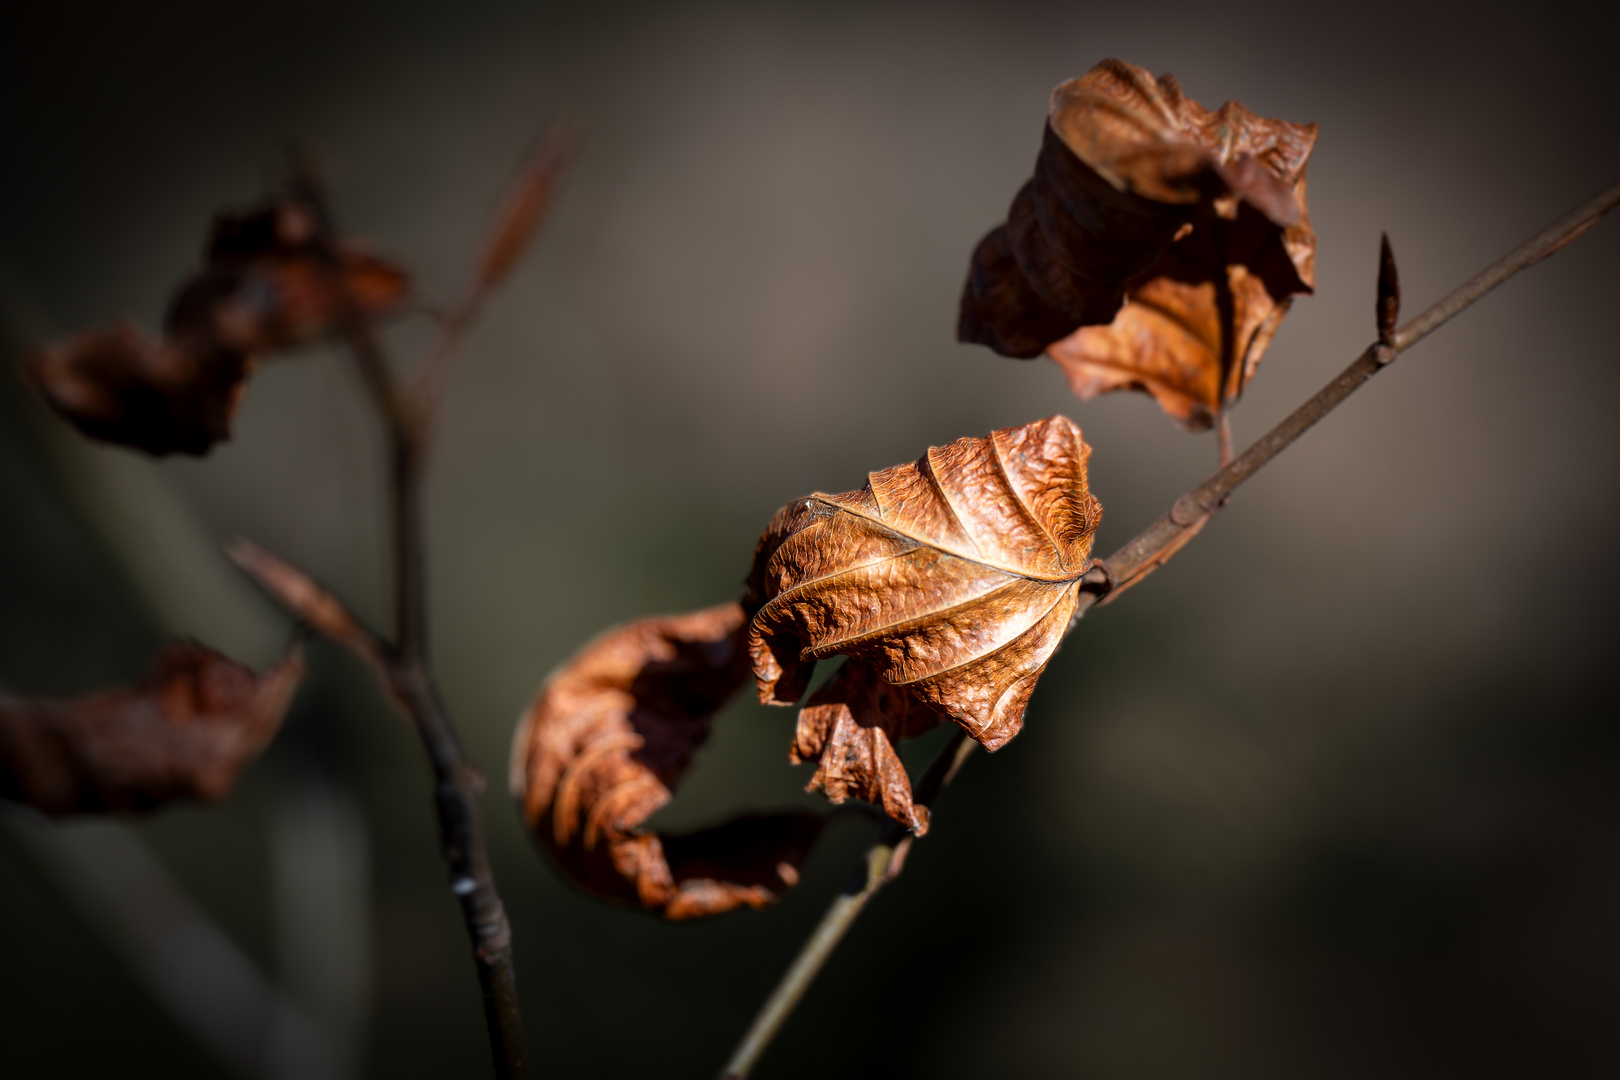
{"x": 1388, "y": 310}
{"x": 186, "y": 730}
{"x": 604, "y": 744}
{"x": 953, "y": 577}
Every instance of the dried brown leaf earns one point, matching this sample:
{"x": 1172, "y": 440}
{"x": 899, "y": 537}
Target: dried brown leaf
{"x": 185, "y": 730}
{"x": 849, "y": 727}
{"x": 266, "y": 284}
{"x": 120, "y": 386}
{"x": 605, "y": 742}
{"x": 1156, "y": 247}
{"x": 953, "y": 577}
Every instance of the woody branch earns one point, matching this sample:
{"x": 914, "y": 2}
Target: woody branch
{"x": 1143, "y": 554}
{"x": 401, "y": 664}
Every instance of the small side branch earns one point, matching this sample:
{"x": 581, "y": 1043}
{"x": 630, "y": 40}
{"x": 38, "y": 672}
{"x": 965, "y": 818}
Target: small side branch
{"x": 1152, "y": 548}
{"x": 456, "y": 789}
{"x": 1154, "y": 545}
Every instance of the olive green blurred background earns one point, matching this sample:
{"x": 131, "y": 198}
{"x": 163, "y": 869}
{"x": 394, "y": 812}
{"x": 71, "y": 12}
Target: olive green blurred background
{"x": 1336, "y": 794}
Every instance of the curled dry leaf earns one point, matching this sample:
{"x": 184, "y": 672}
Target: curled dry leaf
{"x": 605, "y": 742}
{"x": 120, "y": 386}
{"x": 953, "y": 577}
{"x": 849, "y": 727}
{"x": 1156, "y": 247}
{"x": 186, "y": 730}
{"x": 267, "y": 283}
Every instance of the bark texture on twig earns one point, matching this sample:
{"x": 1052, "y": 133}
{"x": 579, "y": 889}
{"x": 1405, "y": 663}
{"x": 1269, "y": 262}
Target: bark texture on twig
{"x": 1149, "y": 550}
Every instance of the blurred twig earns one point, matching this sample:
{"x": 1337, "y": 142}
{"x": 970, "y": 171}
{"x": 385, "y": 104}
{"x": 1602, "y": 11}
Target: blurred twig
{"x": 401, "y": 665}
{"x": 1152, "y": 548}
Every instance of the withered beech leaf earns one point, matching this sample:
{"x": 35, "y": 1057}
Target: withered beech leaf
{"x": 848, "y": 728}
{"x": 185, "y": 730}
{"x": 602, "y": 747}
{"x": 953, "y": 577}
{"x": 1156, "y": 247}
{"x": 120, "y": 386}
{"x": 266, "y": 284}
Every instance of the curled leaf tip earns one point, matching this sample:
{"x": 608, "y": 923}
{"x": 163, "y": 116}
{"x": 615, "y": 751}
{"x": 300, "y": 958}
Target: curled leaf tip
{"x": 1155, "y": 248}
{"x": 603, "y": 746}
{"x": 185, "y": 730}
{"x": 951, "y": 578}
{"x": 848, "y": 729}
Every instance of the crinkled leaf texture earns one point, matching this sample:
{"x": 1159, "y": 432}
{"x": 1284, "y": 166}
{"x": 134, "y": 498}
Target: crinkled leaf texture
{"x": 953, "y": 577}
{"x": 185, "y": 730}
{"x": 605, "y": 742}
{"x": 848, "y": 728}
{"x": 1155, "y": 249}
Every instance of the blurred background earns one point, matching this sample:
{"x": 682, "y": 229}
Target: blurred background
{"x": 1335, "y": 794}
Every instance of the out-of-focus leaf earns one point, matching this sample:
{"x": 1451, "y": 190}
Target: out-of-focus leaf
{"x": 120, "y": 386}
{"x": 1156, "y": 247}
{"x": 953, "y": 578}
{"x": 525, "y": 206}
{"x": 266, "y": 284}
{"x": 185, "y": 730}
{"x": 849, "y": 727}
{"x": 603, "y": 745}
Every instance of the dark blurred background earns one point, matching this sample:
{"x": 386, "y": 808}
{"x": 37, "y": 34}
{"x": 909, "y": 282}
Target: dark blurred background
{"x": 1336, "y": 794}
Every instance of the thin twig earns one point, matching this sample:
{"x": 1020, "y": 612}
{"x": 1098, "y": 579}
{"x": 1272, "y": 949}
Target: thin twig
{"x": 1153, "y": 547}
{"x": 403, "y": 670}
{"x": 881, "y": 864}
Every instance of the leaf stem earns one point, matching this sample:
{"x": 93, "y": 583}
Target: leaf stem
{"x": 1149, "y": 550}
